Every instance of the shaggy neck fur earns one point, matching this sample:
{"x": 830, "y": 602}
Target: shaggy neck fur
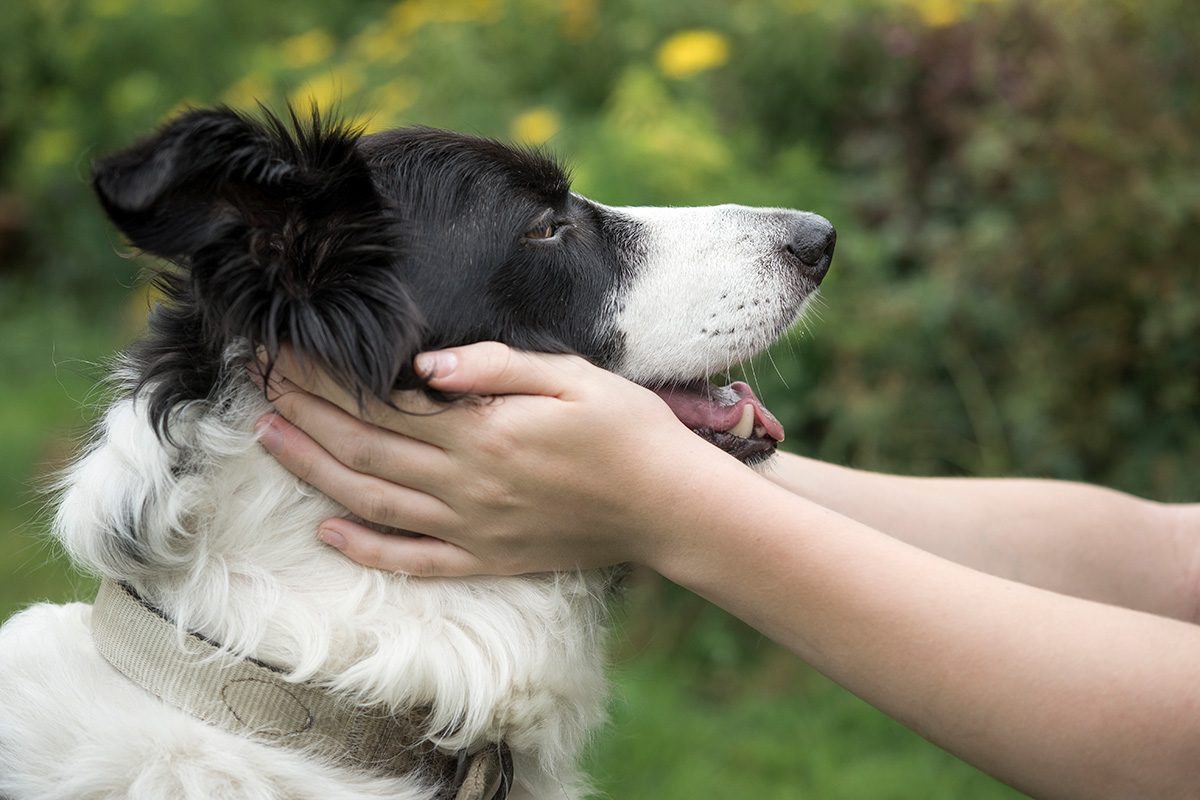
{"x": 212, "y": 531}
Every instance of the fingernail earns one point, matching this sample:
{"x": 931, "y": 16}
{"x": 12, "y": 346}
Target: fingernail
{"x": 437, "y": 364}
{"x": 332, "y": 538}
{"x": 268, "y": 435}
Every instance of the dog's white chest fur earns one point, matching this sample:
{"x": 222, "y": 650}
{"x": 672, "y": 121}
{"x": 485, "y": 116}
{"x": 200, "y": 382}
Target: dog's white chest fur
{"x": 237, "y": 559}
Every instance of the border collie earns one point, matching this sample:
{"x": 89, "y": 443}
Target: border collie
{"x": 358, "y": 251}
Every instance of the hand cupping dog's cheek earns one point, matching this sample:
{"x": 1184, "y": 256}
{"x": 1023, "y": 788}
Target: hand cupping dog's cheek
{"x": 565, "y": 476}
{"x": 384, "y": 502}
{"x": 359, "y": 445}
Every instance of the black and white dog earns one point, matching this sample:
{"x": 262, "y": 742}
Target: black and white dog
{"x": 358, "y": 252}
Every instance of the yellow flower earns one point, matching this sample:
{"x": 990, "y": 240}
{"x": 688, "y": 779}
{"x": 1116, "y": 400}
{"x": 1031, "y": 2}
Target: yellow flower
{"x": 689, "y": 52}
{"x": 326, "y": 91}
{"x": 535, "y": 126}
{"x": 579, "y": 19}
{"x": 248, "y": 91}
{"x": 367, "y": 123}
{"x": 174, "y": 111}
{"x": 377, "y": 44}
{"x": 392, "y": 98}
{"x": 407, "y": 17}
{"x": 940, "y": 13}
{"x": 306, "y": 49}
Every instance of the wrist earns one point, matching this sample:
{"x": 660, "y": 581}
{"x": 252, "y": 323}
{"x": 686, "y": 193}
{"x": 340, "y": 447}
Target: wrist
{"x": 703, "y": 517}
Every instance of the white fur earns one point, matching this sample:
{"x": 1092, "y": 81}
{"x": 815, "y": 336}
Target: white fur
{"x": 722, "y": 272}
{"x": 231, "y": 543}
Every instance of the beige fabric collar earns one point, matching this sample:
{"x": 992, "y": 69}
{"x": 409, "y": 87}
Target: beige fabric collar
{"x": 250, "y": 698}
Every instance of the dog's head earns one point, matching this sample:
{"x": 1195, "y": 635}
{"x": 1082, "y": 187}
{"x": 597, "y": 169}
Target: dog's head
{"x": 360, "y": 251}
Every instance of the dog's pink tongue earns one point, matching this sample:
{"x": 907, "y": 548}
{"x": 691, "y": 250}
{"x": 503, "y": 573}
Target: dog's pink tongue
{"x": 720, "y": 409}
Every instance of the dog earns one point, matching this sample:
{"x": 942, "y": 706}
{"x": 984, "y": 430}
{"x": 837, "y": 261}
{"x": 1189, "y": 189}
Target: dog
{"x": 357, "y": 252}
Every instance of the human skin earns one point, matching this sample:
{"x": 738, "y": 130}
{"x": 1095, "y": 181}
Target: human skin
{"x": 1041, "y": 631}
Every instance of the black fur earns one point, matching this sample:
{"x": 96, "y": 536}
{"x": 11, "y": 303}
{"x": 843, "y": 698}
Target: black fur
{"x": 358, "y": 251}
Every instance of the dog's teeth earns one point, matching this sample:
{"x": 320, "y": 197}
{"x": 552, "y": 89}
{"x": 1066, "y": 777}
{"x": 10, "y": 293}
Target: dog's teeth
{"x": 746, "y": 424}
{"x": 759, "y": 431}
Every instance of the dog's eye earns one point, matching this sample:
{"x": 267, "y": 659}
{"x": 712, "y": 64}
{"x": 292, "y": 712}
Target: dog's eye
{"x": 546, "y": 231}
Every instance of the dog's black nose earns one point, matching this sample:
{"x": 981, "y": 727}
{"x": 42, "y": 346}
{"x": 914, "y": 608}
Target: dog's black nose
{"x": 812, "y": 241}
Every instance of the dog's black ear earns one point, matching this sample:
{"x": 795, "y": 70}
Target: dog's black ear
{"x": 175, "y": 191}
{"x": 279, "y": 235}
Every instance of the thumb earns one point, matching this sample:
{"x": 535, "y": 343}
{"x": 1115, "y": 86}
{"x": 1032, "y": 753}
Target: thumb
{"x": 495, "y": 368}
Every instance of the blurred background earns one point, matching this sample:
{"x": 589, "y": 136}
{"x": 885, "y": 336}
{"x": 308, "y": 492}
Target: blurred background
{"x": 1016, "y": 187}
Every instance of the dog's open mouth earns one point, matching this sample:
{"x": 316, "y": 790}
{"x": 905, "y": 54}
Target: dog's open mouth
{"x": 731, "y": 417}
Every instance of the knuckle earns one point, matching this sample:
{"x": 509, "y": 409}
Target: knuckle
{"x": 374, "y": 505}
{"x": 580, "y": 369}
{"x": 416, "y": 403}
{"x": 496, "y": 362}
{"x": 505, "y": 356}
{"x": 499, "y": 442}
{"x": 505, "y": 423}
{"x": 273, "y": 394}
{"x": 493, "y": 494}
{"x": 369, "y": 552}
{"x": 306, "y": 470}
{"x": 361, "y": 455}
{"x": 421, "y": 566}
{"x": 494, "y": 351}
{"x": 406, "y": 401}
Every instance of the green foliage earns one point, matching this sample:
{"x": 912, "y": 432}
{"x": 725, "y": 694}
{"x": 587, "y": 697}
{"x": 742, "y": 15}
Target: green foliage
{"x": 786, "y": 734}
{"x": 1017, "y": 192}
{"x": 1018, "y": 289}
{"x": 51, "y": 356}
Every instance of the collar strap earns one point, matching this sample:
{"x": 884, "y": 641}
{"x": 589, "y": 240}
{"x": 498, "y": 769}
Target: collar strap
{"x": 252, "y": 699}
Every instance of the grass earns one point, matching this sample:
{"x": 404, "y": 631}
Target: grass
{"x": 703, "y": 708}
{"x": 669, "y": 739}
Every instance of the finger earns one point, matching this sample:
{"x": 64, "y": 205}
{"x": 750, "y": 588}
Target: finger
{"x": 366, "y": 496}
{"x": 364, "y": 447}
{"x": 423, "y": 557}
{"x": 312, "y": 378}
{"x": 494, "y": 368}
{"x": 414, "y": 413}
{"x": 290, "y": 371}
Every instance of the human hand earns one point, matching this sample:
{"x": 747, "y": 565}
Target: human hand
{"x": 567, "y": 466}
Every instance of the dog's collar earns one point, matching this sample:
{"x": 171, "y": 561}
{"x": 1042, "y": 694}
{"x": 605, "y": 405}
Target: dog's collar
{"x": 252, "y": 699}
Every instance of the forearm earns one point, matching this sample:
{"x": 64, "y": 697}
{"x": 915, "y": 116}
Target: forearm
{"x": 1080, "y": 540}
{"x": 1058, "y": 696}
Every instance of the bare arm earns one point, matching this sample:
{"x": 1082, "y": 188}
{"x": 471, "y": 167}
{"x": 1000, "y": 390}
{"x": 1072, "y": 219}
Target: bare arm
{"x": 1072, "y": 538}
{"x": 1057, "y": 695}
